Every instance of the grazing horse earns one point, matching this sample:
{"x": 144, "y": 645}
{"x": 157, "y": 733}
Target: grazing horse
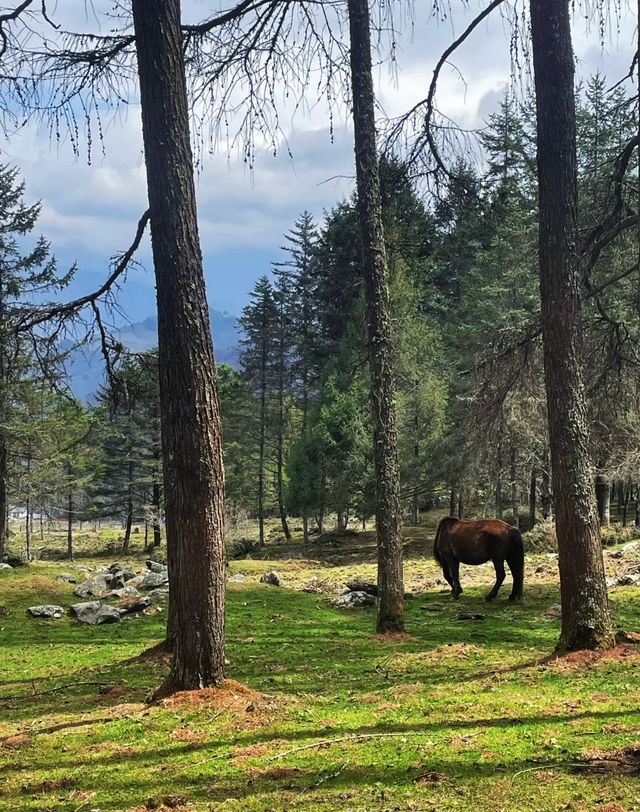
{"x": 476, "y": 542}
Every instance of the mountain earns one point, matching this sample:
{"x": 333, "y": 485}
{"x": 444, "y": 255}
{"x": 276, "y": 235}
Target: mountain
{"x": 86, "y": 366}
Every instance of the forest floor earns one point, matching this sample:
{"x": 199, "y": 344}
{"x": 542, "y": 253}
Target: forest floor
{"x": 319, "y": 713}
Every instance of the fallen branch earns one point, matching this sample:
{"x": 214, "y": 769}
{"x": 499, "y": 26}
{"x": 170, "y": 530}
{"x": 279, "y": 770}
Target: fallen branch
{"x": 360, "y": 737}
{"x": 57, "y": 690}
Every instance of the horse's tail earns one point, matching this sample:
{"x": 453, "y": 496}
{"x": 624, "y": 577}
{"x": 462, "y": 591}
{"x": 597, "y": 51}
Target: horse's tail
{"x": 515, "y": 560}
{"x": 443, "y": 522}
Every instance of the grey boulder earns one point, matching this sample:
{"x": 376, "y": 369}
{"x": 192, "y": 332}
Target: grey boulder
{"x": 629, "y": 579}
{"x": 237, "y": 579}
{"x": 47, "y": 610}
{"x": 124, "y": 592}
{"x": 155, "y": 566}
{"x": 94, "y": 613}
{"x": 4, "y": 566}
{"x": 354, "y": 600}
{"x": 272, "y": 578}
{"x": 67, "y": 577}
{"x": 92, "y": 588}
{"x": 153, "y": 580}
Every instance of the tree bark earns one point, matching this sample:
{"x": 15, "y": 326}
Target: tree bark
{"x": 453, "y": 502}
{"x": 461, "y": 504}
{"x": 586, "y": 620}
{"x": 603, "y": 498}
{"x": 515, "y": 506}
{"x": 189, "y": 406}
{"x": 129, "y": 519}
{"x": 533, "y": 492}
{"x": 157, "y": 536}
{"x": 374, "y": 262}
{"x": 545, "y": 489}
{"x": 70, "y": 509}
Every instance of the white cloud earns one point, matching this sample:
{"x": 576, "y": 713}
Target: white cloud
{"x": 94, "y": 208}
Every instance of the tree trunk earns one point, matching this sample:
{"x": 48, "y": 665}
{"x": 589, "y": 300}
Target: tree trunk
{"x": 281, "y": 415}
{"x": 625, "y": 503}
{"x": 157, "y": 535}
{"x": 374, "y": 263}
{"x": 586, "y": 620}
{"x": 533, "y": 491}
{"x": 189, "y": 406}
{"x": 4, "y": 505}
{"x": 499, "y": 506}
{"x": 129, "y": 520}
{"x": 603, "y": 498}
{"x": 70, "y": 509}
{"x": 453, "y": 502}
{"x": 515, "y": 507}
{"x": 461, "y": 504}
{"x": 545, "y": 489}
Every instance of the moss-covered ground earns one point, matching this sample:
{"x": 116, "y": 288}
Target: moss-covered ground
{"x": 319, "y": 713}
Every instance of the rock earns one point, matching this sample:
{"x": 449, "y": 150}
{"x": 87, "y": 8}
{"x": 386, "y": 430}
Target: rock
{"x": 540, "y": 568}
{"x": 353, "y": 600}
{"x": 4, "y": 566}
{"x": 127, "y": 575}
{"x": 128, "y": 606}
{"x": 629, "y": 579}
{"x": 611, "y": 582}
{"x": 554, "y": 611}
{"x": 470, "y": 616}
{"x": 136, "y": 580}
{"x": 123, "y": 592}
{"x": 237, "y": 579}
{"x": 272, "y": 578}
{"x": 94, "y": 613}
{"x": 358, "y": 585}
{"x": 631, "y": 547}
{"x": 155, "y": 566}
{"x": 615, "y": 554}
{"x": 92, "y": 588}
{"x": 47, "y": 610}
{"x": 160, "y": 594}
{"x": 153, "y": 580}
{"x": 241, "y": 548}
{"x": 67, "y": 578}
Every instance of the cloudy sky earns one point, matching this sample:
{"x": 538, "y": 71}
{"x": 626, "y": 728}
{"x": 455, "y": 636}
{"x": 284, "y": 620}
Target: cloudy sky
{"x": 90, "y": 211}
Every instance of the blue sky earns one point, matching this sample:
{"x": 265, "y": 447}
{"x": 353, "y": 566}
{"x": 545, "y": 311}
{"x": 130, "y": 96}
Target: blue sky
{"x": 90, "y": 211}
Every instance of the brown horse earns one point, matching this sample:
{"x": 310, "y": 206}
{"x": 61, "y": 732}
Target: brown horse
{"x": 476, "y": 542}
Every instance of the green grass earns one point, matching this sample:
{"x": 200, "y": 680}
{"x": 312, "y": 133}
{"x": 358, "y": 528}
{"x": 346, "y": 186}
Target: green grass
{"x": 460, "y": 715}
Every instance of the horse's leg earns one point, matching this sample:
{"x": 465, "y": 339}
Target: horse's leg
{"x": 498, "y": 563}
{"x": 454, "y": 567}
{"x": 447, "y": 574}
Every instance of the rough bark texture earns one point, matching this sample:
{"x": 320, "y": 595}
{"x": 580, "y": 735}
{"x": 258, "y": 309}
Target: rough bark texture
{"x": 586, "y": 621}
{"x": 533, "y": 492}
{"x": 189, "y": 407}
{"x": 545, "y": 488}
{"x": 390, "y": 576}
{"x": 70, "y": 511}
{"x": 515, "y": 505}
{"x": 603, "y": 500}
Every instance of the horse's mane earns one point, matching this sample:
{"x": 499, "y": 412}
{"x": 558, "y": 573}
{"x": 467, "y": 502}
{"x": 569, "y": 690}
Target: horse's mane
{"x": 446, "y": 521}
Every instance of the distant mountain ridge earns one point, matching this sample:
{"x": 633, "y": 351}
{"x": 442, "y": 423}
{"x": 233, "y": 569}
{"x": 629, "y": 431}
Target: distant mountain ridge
{"x": 86, "y": 367}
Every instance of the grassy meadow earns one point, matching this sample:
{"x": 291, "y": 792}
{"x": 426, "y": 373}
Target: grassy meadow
{"x": 318, "y": 712}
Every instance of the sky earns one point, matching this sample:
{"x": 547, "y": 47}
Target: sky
{"x": 90, "y": 211}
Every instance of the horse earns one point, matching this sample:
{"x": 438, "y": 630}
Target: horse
{"x": 476, "y": 542}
